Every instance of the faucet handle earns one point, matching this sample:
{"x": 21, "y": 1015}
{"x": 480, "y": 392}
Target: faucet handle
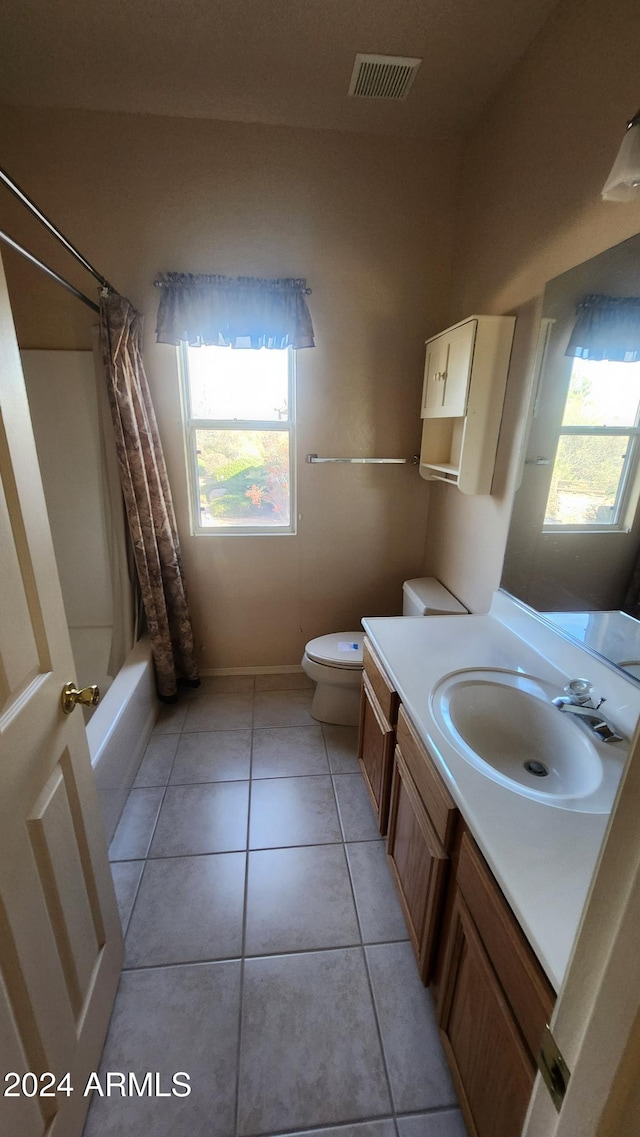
{"x": 580, "y": 692}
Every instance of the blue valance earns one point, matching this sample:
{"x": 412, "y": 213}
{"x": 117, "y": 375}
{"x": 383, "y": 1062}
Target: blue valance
{"x": 238, "y": 312}
{"x": 607, "y": 327}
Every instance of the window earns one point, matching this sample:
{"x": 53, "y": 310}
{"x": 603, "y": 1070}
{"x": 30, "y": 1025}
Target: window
{"x": 592, "y": 485}
{"x": 238, "y": 409}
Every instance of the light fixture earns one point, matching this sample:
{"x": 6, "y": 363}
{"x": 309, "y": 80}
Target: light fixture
{"x": 623, "y": 183}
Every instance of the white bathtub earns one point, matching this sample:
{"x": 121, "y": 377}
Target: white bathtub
{"x": 119, "y": 730}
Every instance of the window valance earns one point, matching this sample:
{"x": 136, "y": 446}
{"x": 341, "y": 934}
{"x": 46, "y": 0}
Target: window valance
{"x": 607, "y": 327}
{"x": 237, "y": 312}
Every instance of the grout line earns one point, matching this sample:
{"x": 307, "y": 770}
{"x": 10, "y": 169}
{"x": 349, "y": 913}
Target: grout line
{"x": 429, "y": 1112}
{"x": 125, "y": 928}
{"x": 282, "y": 954}
{"x": 146, "y": 857}
{"x": 258, "y": 849}
{"x": 368, "y": 975}
{"x": 329, "y": 1127}
{"x": 244, "y": 925}
{"x": 256, "y": 777}
{"x": 379, "y": 1029}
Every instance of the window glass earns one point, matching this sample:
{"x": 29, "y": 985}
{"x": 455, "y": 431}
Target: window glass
{"x": 238, "y": 383}
{"x": 592, "y": 478}
{"x": 602, "y": 394}
{"x": 239, "y": 408}
{"x": 243, "y": 477}
{"x": 586, "y": 478}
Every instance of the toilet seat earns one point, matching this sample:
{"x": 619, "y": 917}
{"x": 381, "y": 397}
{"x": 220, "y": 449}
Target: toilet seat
{"x": 339, "y": 650}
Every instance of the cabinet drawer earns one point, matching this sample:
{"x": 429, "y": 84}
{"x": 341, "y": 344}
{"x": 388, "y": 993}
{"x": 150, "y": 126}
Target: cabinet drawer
{"x": 525, "y": 985}
{"x": 438, "y": 802}
{"x": 384, "y": 692}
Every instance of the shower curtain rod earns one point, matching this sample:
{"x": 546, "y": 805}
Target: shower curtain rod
{"x": 49, "y": 271}
{"x": 48, "y": 224}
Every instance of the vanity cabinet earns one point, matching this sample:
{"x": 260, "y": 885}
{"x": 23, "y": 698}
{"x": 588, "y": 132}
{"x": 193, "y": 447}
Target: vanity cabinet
{"x": 422, "y": 821}
{"x": 493, "y": 1000}
{"x": 464, "y": 383}
{"x": 376, "y": 736}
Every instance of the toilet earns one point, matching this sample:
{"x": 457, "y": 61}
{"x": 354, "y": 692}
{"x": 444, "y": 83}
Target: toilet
{"x": 335, "y": 662}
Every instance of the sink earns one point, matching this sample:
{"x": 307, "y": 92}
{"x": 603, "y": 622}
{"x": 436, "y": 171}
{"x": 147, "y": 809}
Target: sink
{"x": 504, "y": 724}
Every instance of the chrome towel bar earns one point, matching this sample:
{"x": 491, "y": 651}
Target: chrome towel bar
{"x": 366, "y": 461}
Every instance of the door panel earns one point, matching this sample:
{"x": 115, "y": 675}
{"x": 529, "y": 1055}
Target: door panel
{"x": 60, "y": 940}
{"x": 419, "y": 865}
{"x": 491, "y": 1066}
{"x": 375, "y": 751}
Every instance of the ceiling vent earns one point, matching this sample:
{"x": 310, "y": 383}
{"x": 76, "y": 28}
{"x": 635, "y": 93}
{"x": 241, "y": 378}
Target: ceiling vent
{"x": 382, "y": 76}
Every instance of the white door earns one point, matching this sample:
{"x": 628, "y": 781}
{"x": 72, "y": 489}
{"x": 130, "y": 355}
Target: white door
{"x": 435, "y": 365}
{"x": 60, "y": 939}
{"x": 458, "y": 369}
{"x": 447, "y": 371}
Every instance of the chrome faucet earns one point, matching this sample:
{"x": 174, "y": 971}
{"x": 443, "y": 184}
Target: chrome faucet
{"x": 579, "y": 700}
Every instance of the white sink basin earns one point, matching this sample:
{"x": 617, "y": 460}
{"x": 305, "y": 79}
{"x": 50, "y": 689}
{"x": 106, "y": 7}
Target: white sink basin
{"x": 504, "y": 724}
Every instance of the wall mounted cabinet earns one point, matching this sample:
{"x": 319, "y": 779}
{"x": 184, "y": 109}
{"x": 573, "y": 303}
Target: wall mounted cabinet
{"x": 465, "y": 378}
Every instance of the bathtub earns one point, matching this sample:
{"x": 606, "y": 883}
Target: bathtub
{"x": 119, "y": 730}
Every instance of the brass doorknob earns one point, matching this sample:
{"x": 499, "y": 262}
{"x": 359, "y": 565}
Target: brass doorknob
{"x": 88, "y": 696}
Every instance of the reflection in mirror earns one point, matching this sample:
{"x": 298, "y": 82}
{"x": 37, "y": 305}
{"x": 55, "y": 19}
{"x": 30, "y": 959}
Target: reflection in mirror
{"x": 573, "y": 550}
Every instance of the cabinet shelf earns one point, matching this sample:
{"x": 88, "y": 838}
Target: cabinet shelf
{"x": 444, "y": 467}
{"x": 464, "y": 383}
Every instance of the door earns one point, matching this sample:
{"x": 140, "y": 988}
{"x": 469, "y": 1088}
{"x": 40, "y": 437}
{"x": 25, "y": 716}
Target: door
{"x": 60, "y": 939}
{"x": 447, "y": 371}
{"x": 492, "y": 1068}
{"x": 375, "y": 751}
{"x": 419, "y": 865}
{"x": 458, "y": 371}
{"x": 435, "y": 366}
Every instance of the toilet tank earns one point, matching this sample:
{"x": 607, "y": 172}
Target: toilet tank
{"x": 425, "y": 596}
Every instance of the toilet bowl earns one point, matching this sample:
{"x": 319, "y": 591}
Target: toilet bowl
{"x": 335, "y": 661}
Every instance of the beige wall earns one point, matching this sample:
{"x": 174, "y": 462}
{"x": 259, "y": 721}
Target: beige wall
{"x": 531, "y": 209}
{"x": 368, "y": 221}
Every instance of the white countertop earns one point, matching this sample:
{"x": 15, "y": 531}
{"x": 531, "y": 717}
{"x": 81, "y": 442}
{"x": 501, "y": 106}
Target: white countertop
{"x": 543, "y": 857}
{"x": 616, "y": 635}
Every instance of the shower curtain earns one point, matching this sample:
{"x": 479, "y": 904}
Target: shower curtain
{"x": 147, "y": 497}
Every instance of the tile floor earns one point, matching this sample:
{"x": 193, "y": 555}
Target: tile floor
{"x": 266, "y": 954}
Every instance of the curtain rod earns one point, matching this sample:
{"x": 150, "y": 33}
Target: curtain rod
{"x": 49, "y": 271}
{"x": 48, "y": 224}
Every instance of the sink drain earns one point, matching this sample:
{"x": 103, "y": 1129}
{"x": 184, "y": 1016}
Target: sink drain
{"x": 538, "y": 769}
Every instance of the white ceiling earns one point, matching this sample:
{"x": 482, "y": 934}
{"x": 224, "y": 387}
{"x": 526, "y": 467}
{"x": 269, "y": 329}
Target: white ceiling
{"x": 271, "y": 61}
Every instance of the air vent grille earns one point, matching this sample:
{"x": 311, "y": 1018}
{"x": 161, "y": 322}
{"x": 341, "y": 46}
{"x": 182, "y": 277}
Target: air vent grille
{"x": 382, "y": 76}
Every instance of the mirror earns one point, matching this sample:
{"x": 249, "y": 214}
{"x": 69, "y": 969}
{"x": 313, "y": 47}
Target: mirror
{"x": 574, "y": 540}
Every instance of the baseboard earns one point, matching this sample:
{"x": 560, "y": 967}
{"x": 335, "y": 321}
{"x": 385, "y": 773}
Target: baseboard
{"x": 282, "y": 669}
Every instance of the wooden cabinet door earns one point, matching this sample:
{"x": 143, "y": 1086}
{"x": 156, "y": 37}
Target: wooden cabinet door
{"x": 447, "y": 372}
{"x": 491, "y": 1065}
{"x": 434, "y": 372}
{"x": 375, "y": 752}
{"x": 458, "y": 370}
{"x": 419, "y": 865}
